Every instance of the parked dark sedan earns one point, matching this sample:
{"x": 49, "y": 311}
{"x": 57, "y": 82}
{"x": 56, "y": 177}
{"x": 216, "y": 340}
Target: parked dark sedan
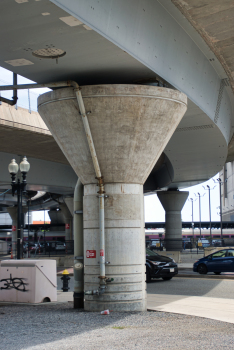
{"x": 220, "y": 261}
{"x": 159, "y": 266}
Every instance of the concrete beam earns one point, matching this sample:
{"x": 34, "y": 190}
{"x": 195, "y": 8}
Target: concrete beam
{"x": 158, "y": 35}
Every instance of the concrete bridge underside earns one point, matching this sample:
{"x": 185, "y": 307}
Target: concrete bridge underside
{"x": 113, "y": 49}
{"x": 22, "y": 133}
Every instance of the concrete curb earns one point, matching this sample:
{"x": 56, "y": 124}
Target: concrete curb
{"x": 219, "y": 277}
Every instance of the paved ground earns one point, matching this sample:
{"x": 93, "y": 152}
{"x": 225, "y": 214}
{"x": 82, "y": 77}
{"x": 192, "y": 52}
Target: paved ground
{"x": 203, "y": 297}
{"x": 198, "y": 297}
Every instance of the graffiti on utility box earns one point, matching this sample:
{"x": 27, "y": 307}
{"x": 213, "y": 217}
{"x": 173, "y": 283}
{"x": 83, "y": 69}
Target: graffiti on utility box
{"x": 14, "y": 283}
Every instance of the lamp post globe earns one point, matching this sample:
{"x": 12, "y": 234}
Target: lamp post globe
{"x": 24, "y": 165}
{"x": 13, "y": 167}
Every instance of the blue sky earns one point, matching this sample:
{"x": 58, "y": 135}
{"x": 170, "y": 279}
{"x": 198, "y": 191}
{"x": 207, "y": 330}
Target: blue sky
{"x": 153, "y": 208}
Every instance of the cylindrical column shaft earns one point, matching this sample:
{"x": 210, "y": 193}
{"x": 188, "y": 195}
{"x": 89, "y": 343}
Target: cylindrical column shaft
{"x": 124, "y": 248}
{"x": 173, "y": 202}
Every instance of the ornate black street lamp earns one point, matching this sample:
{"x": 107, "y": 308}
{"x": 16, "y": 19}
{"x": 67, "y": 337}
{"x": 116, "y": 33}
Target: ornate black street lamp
{"x": 20, "y": 188}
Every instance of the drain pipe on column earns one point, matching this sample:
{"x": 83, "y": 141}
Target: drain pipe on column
{"x": 78, "y": 267}
{"x": 99, "y": 177}
{"x": 101, "y": 197}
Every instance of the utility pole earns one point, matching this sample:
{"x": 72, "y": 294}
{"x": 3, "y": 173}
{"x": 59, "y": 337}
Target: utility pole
{"x": 220, "y": 182}
{"x": 192, "y": 200}
{"x": 199, "y": 196}
{"x": 209, "y": 189}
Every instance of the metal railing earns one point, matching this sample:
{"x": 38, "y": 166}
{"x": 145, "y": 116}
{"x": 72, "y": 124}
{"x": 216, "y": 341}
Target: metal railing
{"x": 40, "y": 249}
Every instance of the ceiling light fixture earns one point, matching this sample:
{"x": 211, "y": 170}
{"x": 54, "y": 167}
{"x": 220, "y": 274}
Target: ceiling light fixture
{"x": 50, "y": 52}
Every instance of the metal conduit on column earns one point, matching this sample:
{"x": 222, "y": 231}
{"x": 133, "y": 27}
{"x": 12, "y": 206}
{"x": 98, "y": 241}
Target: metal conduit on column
{"x": 101, "y": 192}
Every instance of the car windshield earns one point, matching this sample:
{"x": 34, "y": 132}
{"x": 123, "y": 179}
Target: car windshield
{"x": 219, "y": 254}
{"x": 150, "y": 253}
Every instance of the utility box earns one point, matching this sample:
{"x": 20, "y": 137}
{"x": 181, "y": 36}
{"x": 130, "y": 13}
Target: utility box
{"x": 28, "y": 281}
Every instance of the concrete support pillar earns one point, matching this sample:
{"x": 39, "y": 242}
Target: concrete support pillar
{"x": 13, "y": 214}
{"x": 130, "y": 126}
{"x": 173, "y": 202}
{"x": 70, "y": 204}
{"x": 68, "y": 221}
{"x": 124, "y": 245}
{"x": 13, "y": 211}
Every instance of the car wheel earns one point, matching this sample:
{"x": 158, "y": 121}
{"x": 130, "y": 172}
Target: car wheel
{"x": 166, "y": 278}
{"x": 148, "y": 276}
{"x": 217, "y": 273}
{"x": 202, "y": 269}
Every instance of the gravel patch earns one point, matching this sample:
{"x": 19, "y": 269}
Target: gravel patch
{"x": 59, "y": 326}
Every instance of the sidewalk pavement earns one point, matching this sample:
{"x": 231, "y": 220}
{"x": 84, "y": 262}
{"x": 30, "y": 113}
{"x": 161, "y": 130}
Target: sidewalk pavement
{"x": 214, "y": 308}
{"x": 64, "y": 297}
{"x": 185, "y": 265}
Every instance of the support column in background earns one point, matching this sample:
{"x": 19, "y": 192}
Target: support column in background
{"x": 13, "y": 214}
{"x": 68, "y": 221}
{"x": 173, "y": 202}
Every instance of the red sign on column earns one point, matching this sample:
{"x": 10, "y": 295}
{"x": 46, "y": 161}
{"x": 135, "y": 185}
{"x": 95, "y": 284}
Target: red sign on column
{"x": 67, "y": 226}
{"x": 90, "y": 254}
{"x": 13, "y": 228}
{"x": 101, "y": 252}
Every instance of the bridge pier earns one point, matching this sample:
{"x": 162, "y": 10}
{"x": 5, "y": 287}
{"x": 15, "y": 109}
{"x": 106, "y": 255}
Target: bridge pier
{"x": 13, "y": 211}
{"x": 130, "y": 126}
{"x": 173, "y": 202}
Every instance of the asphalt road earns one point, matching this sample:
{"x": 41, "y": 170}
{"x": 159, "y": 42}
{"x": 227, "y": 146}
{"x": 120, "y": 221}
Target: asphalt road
{"x": 205, "y": 287}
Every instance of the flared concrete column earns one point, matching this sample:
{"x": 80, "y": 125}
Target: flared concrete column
{"x": 173, "y": 202}
{"x": 130, "y": 126}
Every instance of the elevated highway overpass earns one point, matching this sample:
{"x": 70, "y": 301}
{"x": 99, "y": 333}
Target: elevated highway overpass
{"x": 144, "y": 57}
